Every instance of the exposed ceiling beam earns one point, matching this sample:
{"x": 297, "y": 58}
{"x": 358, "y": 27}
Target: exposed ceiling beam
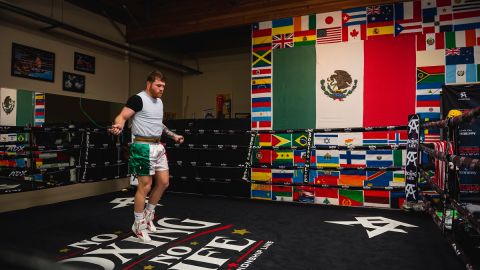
{"x": 57, "y": 24}
{"x": 182, "y": 17}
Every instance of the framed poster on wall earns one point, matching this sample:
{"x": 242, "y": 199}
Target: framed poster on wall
{"x": 73, "y": 82}
{"x": 32, "y": 63}
{"x": 83, "y": 62}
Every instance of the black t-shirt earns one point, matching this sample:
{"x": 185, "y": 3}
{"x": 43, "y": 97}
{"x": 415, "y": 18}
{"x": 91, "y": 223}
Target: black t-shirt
{"x": 135, "y": 103}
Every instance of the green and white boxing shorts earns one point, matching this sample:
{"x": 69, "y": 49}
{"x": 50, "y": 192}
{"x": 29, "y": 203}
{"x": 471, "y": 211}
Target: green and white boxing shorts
{"x": 147, "y": 158}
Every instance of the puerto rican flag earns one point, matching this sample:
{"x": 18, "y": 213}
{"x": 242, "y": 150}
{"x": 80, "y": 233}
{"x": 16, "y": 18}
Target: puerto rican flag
{"x": 408, "y": 18}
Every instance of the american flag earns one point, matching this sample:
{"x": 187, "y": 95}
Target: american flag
{"x": 429, "y": 138}
{"x": 329, "y": 35}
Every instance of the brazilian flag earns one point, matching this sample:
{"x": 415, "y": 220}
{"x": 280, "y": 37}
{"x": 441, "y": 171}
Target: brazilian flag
{"x": 299, "y": 139}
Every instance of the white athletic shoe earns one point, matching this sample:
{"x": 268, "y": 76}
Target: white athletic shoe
{"x": 149, "y": 216}
{"x": 139, "y": 228}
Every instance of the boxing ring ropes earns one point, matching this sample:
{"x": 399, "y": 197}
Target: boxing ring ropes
{"x": 415, "y": 198}
{"x": 249, "y": 164}
{"x": 449, "y": 161}
{"x": 413, "y": 146}
{"x": 30, "y": 151}
{"x": 449, "y": 165}
{"x": 413, "y": 169}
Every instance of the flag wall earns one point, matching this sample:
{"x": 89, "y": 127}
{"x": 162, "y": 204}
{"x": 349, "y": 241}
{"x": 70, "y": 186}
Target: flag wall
{"x": 432, "y": 26}
{"x": 364, "y": 66}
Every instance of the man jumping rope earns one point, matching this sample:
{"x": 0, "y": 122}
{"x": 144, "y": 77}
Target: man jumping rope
{"x": 147, "y": 155}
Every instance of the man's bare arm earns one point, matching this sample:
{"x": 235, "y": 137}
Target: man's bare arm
{"x": 119, "y": 122}
{"x": 177, "y": 138}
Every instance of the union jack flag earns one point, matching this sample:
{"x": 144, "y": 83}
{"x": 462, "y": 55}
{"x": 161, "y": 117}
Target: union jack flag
{"x": 373, "y": 10}
{"x": 282, "y": 41}
{"x": 453, "y": 51}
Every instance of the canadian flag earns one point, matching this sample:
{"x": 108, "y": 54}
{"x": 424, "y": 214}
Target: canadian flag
{"x": 354, "y": 32}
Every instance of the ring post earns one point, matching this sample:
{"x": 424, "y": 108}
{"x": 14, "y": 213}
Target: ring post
{"x": 411, "y": 168}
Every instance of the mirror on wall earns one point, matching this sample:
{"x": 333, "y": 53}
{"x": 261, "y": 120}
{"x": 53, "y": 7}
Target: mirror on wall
{"x": 65, "y": 110}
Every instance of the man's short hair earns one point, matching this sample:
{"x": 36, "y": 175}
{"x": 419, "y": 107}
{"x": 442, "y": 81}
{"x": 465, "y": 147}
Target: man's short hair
{"x": 156, "y": 75}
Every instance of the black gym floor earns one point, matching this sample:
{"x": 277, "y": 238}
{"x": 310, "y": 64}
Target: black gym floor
{"x": 200, "y": 233}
